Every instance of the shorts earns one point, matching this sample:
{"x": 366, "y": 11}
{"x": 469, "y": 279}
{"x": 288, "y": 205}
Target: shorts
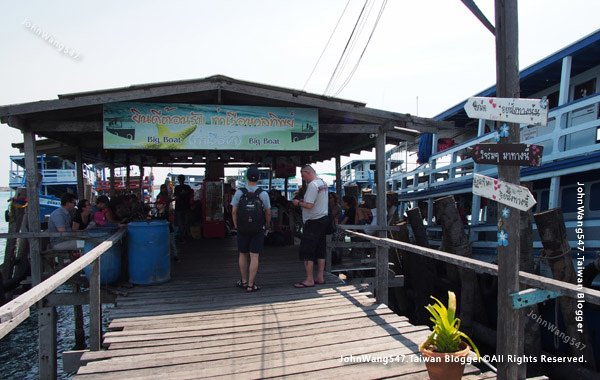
{"x": 251, "y": 243}
{"x": 312, "y": 244}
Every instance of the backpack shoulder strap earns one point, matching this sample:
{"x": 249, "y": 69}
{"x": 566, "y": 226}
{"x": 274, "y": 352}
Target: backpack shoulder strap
{"x": 244, "y": 190}
{"x": 258, "y": 191}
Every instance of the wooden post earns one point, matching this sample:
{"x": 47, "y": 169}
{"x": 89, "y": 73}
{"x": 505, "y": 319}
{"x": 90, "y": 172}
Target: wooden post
{"x": 47, "y": 342}
{"x": 338, "y": 175}
{"x": 421, "y": 273}
{"x": 455, "y": 241}
{"x": 95, "y": 307}
{"x": 2, "y": 296}
{"x": 10, "y": 251}
{"x": 33, "y": 205}
{"x": 141, "y": 198}
{"x": 551, "y": 227}
{"x": 398, "y": 295}
{"x": 533, "y": 342}
{"x": 46, "y": 316}
{"x": 127, "y": 174}
{"x": 79, "y": 171}
{"x": 509, "y": 327}
{"x": 78, "y": 316}
{"x": 382, "y": 252}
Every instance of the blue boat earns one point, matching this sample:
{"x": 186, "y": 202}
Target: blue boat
{"x": 59, "y": 176}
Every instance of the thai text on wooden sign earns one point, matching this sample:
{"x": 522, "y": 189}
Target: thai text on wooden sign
{"x": 524, "y": 111}
{"x": 172, "y": 126}
{"x": 506, "y": 193}
{"x": 508, "y": 154}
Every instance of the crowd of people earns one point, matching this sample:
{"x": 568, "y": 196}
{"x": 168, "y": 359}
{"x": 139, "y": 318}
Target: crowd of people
{"x": 105, "y": 214}
{"x": 251, "y": 216}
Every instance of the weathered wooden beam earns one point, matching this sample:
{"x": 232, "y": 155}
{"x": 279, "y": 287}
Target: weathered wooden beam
{"x": 73, "y": 299}
{"x": 66, "y": 126}
{"x": 348, "y": 128}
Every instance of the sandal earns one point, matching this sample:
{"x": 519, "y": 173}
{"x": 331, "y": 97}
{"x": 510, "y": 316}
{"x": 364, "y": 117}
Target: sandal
{"x": 252, "y": 288}
{"x": 240, "y": 284}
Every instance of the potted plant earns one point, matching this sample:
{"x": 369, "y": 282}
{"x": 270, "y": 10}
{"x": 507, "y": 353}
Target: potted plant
{"x": 445, "y": 350}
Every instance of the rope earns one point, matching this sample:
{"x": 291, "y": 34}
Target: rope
{"x": 548, "y": 258}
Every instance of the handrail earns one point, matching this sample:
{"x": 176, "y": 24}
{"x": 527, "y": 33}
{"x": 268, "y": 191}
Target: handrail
{"x": 21, "y": 304}
{"x": 564, "y": 288}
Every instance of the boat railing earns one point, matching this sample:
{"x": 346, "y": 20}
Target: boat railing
{"x": 571, "y": 131}
{"x": 434, "y": 234}
{"x": 16, "y": 311}
{"x": 358, "y": 175}
{"x": 49, "y": 177}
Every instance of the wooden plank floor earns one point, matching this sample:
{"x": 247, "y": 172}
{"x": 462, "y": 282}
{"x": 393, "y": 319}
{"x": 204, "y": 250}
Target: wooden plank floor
{"x": 198, "y": 325}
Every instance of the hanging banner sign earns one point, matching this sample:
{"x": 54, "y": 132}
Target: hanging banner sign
{"x": 523, "y": 111}
{"x": 506, "y": 193}
{"x": 508, "y": 154}
{"x": 157, "y": 126}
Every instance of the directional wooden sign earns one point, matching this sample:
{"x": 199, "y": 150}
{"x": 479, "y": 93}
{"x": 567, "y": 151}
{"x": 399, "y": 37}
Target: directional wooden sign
{"x": 523, "y": 111}
{"x": 506, "y": 193}
{"x": 508, "y": 154}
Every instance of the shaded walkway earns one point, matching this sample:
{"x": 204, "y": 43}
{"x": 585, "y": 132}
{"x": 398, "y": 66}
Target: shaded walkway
{"x": 199, "y": 325}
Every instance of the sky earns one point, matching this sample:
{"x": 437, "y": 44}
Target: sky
{"x": 423, "y": 57}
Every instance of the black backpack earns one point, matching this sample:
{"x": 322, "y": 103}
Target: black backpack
{"x": 250, "y": 212}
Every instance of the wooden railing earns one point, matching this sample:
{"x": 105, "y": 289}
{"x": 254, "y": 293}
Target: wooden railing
{"x": 564, "y": 288}
{"x": 17, "y": 310}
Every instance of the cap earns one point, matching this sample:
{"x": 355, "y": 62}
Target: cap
{"x": 252, "y": 174}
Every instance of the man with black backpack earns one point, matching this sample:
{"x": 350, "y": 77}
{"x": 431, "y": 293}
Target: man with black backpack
{"x": 251, "y": 214}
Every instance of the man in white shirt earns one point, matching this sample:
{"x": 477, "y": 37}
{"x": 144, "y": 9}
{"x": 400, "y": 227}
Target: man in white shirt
{"x": 315, "y": 217}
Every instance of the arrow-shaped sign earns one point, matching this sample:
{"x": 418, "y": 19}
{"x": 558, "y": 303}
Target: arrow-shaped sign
{"x": 506, "y": 193}
{"x": 508, "y": 154}
{"x": 524, "y": 111}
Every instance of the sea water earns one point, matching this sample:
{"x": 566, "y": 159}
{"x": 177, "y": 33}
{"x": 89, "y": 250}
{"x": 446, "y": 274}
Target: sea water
{"x": 19, "y": 349}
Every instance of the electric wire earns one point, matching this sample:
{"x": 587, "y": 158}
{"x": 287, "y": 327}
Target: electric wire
{"x": 345, "y": 48}
{"x": 326, "y": 45}
{"x": 365, "y": 48}
{"x": 362, "y": 22}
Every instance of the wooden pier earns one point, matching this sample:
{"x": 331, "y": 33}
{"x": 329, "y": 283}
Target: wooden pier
{"x": 199, "y": 325}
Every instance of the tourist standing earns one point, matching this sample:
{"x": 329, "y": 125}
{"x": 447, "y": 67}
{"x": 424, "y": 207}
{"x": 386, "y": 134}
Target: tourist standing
{"x": 314, "y": 207}
{"x": 251, "y": 213}
{"x": 183, "y": 198}
{"x": 61, "y": 221}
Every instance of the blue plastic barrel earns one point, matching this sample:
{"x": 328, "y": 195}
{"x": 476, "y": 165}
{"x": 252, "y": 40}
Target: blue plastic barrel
{"x": 110, "y": 261}
{"x": 148, "y": 252}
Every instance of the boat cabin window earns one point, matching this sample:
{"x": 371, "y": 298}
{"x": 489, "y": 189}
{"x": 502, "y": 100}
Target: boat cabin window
{"x": 584, "y": 89}
{"x": 553, "y": 100}
{"x": 569, "y": 199}
{"x": 544, "y": 200}
{"x": 594, "y": 197}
